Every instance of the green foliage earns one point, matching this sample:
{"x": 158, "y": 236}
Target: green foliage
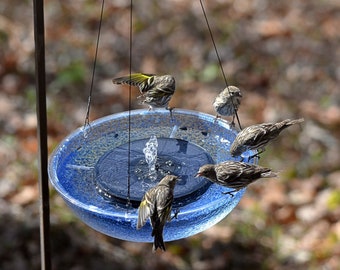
{"x": 72, "y": 74}
{"x": 30, "y": 97}
{"x": 334, "y": 200}
{"x": 325, "y": 102}
{"x": 3, "y": 37}
{"x": 210, "y": 73}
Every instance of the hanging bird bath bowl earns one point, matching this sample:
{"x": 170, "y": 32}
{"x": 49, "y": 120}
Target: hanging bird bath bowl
{"x": 91, "y": 167}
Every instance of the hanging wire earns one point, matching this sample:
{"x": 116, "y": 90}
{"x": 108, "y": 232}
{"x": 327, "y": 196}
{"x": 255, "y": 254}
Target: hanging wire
{"x": 40, "y": 79}
{"x": 87, "y": 121}
{"x": 219, "y": 61}
{"x": 87, "y": 118}
{"x": 129, "y": 118}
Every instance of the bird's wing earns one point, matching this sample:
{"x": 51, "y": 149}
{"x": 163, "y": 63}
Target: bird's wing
{"x": 145, "y": 210}
{"x": 233, "y": 171}
{"x": 236, "y": 170}
{"x": 253, "y": 172}
{"x": 257, "y": 135}
{"x": 232, "y": 174}
{"x": 164, "y": 209}
{"x": 136, "y": 79}
{"x": 278, "y": 127}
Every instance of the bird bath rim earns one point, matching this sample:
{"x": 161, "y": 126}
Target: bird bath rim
{"x": 207, "y": 122}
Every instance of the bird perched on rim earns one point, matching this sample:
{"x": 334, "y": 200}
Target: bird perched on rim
{"x": 255, "y": 137}
{"x": 227, "y": 102}
{"x": 156, "y": 90}
{"x": 234, "y": 174}
{"x": 156, "y": 205}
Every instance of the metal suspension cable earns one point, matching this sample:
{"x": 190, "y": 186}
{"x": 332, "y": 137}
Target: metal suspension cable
{"x": 87, "y": 118}
{"x": 130, "y": 104}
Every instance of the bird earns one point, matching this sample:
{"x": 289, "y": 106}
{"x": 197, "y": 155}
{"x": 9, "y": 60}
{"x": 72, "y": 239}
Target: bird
{"x": 256, "y": 137}
{"x": 234, "y": 174}
{"x": 227, "y": 102}
{"x": 156, "y": 90}
{"x": 156, "y": 205}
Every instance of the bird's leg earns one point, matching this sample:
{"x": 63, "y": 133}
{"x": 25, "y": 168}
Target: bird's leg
{"x": 257, "y": 155}
{"x": 217, "y": 117}
{"x": 230, "y": 192}
{"x": 233, "y": 121}
{"x": 176, "y": 212}
{"x": 150, "y": 108}
{"x": 170, "y": 109}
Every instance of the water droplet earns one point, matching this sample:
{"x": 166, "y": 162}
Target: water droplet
{"x": 169, "y": 163}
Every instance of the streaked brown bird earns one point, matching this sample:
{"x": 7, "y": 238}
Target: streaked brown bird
{"x": 156, "y": 90}
{"x": 256, "y": 137}
{"x": 227, "y": 102}
{"x": 234, "y": 174}
{"x": 156, "y": 205}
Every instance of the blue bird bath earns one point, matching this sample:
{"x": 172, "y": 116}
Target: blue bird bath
{"x": 91, "y": 167}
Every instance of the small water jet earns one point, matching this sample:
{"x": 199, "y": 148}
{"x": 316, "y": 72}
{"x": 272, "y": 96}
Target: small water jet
{"x": 150, "y": 152}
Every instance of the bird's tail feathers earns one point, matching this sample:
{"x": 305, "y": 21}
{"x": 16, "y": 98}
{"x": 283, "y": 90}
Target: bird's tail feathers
{"x": 158, "y": 242}
{"x": 289, "y": 122}
{"x": 269, "y": 174}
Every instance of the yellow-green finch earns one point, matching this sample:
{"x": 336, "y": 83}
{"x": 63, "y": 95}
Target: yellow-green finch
{"x": 156, "y": 90}
{"x": 156, "y": 205}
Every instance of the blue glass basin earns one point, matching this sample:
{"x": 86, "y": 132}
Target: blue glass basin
{"x": 90, "y": 170}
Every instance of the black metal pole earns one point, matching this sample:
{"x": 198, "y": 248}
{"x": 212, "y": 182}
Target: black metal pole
{"x": 40, "y": 79}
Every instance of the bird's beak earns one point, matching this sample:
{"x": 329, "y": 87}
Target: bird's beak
{"x": 198, "y": 175}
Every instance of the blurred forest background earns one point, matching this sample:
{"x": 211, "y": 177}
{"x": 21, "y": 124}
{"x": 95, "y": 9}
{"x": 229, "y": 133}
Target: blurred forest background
{"x": 283, "y": 55}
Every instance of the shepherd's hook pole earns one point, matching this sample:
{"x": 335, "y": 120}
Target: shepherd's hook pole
{"x": 40, "y": 77}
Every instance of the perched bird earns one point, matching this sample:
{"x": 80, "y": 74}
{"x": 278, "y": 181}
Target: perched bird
{"x": 227, "y": 102}
{"x": 234, "y": 174}
{"x": 156, "y": 90}
{"x": 257, "y": 136}
{"x": 156, "y": 205}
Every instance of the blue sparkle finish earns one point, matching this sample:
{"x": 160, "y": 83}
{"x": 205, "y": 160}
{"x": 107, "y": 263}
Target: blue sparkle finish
{"x": 73, "y": 173}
